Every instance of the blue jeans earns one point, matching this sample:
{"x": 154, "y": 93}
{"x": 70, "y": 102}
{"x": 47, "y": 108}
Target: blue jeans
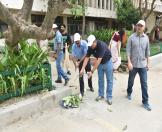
{"x": 106, "y": 68}
{"x": 60, "y": 71}
{"x": 143, "y": 79}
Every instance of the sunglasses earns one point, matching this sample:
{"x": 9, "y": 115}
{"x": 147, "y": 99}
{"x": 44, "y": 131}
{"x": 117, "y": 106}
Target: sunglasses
{"x": 139, "y": 25}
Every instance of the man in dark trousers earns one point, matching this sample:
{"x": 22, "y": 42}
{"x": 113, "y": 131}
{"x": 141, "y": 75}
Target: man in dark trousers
{"x": 67, "y": 43}
{"x": 103, "y": 64}
{"x": 79, "y": 51}
{"x": 138, "y": 52}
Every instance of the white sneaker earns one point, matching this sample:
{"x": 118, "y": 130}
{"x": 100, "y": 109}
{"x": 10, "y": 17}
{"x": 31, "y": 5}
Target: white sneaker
{"x": 80, "y": 96}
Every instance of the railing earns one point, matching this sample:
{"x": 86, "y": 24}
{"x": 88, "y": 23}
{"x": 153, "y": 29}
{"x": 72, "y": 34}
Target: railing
{"x": 9, "y": 93}
{"x": 155, "y": 49}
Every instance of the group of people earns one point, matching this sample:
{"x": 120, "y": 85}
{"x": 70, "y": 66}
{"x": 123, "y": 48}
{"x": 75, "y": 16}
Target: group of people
{"x": 138, "y": 53}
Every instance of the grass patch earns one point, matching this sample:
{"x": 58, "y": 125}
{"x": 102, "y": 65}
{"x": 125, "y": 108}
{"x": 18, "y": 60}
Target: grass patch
{"x": 155, "y": 48}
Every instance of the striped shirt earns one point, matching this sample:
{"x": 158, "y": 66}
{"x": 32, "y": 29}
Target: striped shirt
{"x": 138, "y": 50}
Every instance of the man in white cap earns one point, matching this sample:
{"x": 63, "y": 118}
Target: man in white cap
{"x": 79, "y": 51}
{"x": 138, "y": 52}
{"x": 58, "y": 48}
{"x": 103, "y": 64}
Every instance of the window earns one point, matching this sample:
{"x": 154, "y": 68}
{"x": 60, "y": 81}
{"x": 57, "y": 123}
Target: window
{"x": 99, "y": 4}
{"x": 103, "y": 4}
{"x": 110, "y": 4}
{"x": 37, "y": 19}
{"x": 107, "y": 4}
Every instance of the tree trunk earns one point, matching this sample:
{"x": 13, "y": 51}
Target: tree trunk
{"x": 19, "y": 27}
{"x": 84, "y": 19}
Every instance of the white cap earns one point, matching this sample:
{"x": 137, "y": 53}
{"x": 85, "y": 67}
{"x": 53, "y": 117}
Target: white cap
{"x": 54, "y": 26}
{"x": 91, "y": 38}
{"x": 77, "y": 37}
{"x": 142, "y": 22}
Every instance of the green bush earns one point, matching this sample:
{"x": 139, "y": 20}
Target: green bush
{"x": 22, "y": 69}
{"x": 106, "y": 34}
{"x": 103, "y": 34}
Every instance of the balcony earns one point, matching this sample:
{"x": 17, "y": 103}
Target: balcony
{"x": 158, "y": 5}
{"x": 98, "y": 8}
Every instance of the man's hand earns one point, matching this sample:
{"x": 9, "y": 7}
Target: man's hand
{"x": 81, "y": 73}
{"x": 130, "y": 66}
{"x": 55, "y": 56}
{"x": 77, "y": 64}
{"x": 147, "y": 67}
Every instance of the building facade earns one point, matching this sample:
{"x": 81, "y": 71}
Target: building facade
{"x": 99, "y": 14}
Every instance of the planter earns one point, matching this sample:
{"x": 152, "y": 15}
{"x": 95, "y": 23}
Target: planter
{"x": 37, "y": 87}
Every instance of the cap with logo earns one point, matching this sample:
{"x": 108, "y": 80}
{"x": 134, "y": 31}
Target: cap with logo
{"x": 54, "y": 26}
{"x": 141, "y": 22}
{"x": 91, "y": 38}
{"x": 77, "y": 37}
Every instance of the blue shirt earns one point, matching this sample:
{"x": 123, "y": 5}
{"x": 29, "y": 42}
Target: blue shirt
{"x": 79, "y": 52}
{"x": 58, "y": 40}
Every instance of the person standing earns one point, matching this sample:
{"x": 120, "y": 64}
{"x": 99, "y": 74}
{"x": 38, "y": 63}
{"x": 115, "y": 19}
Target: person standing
{"x": 138, "y": 52}
{"x": 157, "y": 33}
{"x": 79, "y": 51}
{"x": 58, "y": 48}
{"x": 115, "y": 45}
{"x": 67, "y": 43}
{"x": 103, "y": 64}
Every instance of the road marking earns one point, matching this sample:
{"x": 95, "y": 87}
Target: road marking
{"x": 107, "y": 125}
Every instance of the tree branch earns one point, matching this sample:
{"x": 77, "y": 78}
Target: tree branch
{"x": 55, "y": 8}
{"x": 6, "y": 16}
{"x": 151, "y": 10}
{"x": 145, "y": 8}
{"x": 140, "y": 7}
{"x": 25, "y": 11}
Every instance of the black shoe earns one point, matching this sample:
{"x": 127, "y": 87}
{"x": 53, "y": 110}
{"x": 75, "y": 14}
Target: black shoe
{"x": 58, "y": 81}
{"x": 147, "y": 106}
{"x": 129, "y": 97}
{"x": 68, "y": 72}
{"x": 99, "y": 98}
{"x": 109, "y": 101}
{"x": 66, "y": 82}
{"x": 91, "y": 89}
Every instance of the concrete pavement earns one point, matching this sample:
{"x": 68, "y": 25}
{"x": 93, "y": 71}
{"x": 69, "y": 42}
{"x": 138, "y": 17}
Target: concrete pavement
{"x": 123, "y": 115}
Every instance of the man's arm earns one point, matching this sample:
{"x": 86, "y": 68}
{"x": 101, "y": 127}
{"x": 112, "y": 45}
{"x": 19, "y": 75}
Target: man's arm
{"x": 148, "y": 54}
{"x": 58, "y": 48}
{"x": 96, "y": 64}
{"x": 128, "y": 50}
{"x": 84, "y": 65}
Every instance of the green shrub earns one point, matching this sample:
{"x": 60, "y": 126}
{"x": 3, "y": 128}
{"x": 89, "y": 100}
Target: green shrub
{"x": 22, "y": 69}
{"x": 103, "y": 34}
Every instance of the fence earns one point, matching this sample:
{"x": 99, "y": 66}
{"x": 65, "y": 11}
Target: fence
{"x": 155, "y": 49}
{"x": 18, "y": 91}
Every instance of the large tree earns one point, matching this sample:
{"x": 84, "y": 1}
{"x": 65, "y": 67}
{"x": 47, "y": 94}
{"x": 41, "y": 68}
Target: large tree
{"x": 19, "y": 27}
{"x": 79, "y": 9}
{"x": 127, "y": 14}
{"x": 145, "y": 12}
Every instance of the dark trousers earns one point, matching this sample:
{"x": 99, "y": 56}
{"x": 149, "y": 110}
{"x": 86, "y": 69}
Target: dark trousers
{"x": 143, "y": 80}
{"x": 81, "y": 80}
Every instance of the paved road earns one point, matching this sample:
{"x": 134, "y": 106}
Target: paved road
{"x": 123, "y": 115}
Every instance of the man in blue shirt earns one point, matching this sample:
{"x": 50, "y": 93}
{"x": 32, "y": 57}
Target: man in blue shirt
{"x": 103, "y": 64}
{"x": 79, "y": 51}
{"x": 58, "y": 48}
